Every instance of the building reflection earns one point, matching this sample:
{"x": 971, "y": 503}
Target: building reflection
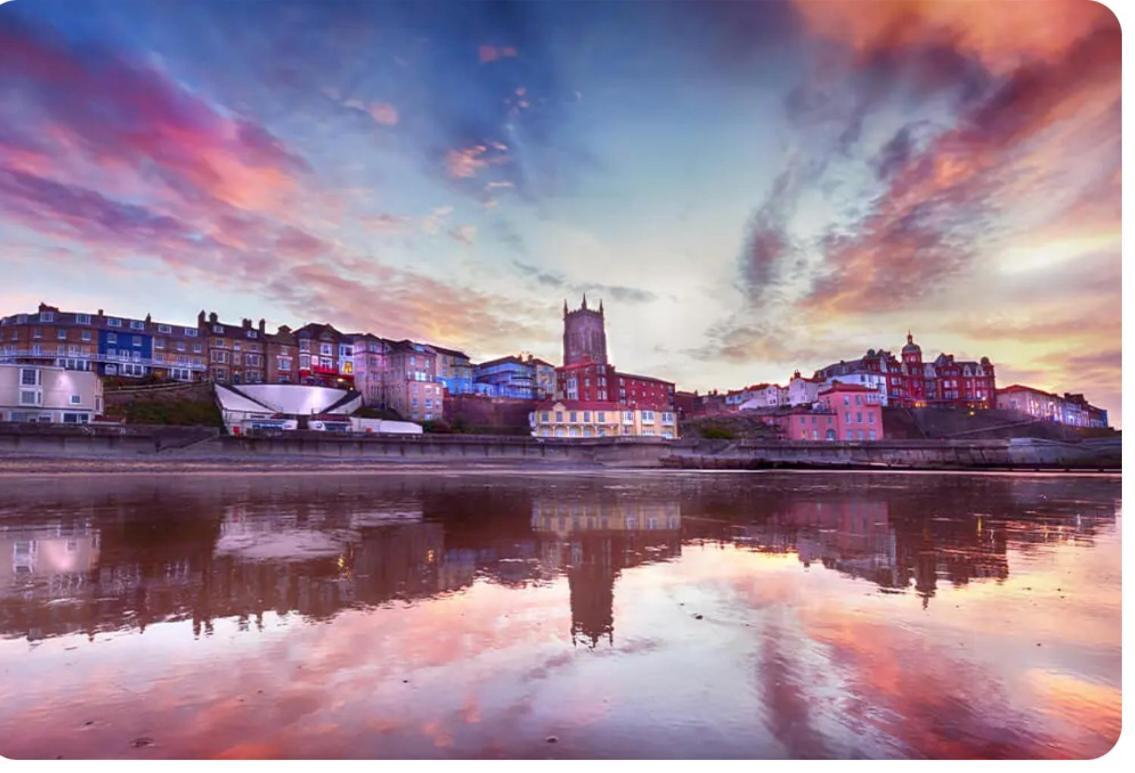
{"x": 593, "y": 539}
{"x": 127, "y": 553}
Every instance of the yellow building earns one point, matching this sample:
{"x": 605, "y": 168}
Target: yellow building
{"x": 587, "y": 419}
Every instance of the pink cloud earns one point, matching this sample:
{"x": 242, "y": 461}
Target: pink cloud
{"x": 489, "y": 53}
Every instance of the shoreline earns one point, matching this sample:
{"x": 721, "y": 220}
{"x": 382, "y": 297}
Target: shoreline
{"x": 60, "y": 466}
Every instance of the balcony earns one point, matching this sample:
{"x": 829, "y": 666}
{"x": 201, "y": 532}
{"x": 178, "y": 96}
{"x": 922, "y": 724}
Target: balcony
{"x": 51, "y": 357}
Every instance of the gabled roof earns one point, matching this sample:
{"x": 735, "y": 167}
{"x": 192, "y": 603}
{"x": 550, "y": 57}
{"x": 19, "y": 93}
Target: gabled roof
{"x": 317, "y": 329}
{"x": 450, "y": 352}
{"x": 579, "y": 405}
{"x": 501, "y": 360}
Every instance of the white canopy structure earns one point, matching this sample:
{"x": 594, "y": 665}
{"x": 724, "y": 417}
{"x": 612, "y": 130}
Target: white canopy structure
{"x": 280, "y": 406}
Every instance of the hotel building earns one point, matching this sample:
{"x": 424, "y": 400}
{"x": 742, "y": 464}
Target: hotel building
{"x": 584, "y": 419}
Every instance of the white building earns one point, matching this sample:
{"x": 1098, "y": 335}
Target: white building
{"x": 804, "y": 391}
{"x": 49, "y": 394}
{"x": 876, "y": 382}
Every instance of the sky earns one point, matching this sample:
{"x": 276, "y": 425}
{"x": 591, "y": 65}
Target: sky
{"x": 751, "y": 188}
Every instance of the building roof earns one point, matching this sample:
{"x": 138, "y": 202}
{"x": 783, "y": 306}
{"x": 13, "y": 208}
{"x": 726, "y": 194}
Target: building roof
{"x": 501, "y": 360}
{"x": 450, "y": 352}
{"x": 315, "y": 329}
{"x": 290, "y": 399}
{"x": 839, "y": 386}
{"x": 621, "y": 374}
{"x": 579, "y": 405}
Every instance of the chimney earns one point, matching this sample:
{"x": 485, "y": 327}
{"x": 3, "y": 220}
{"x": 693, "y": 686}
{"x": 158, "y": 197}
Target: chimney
{"x": 147, "y": 319}
{"x": 100, "y": 312}
{"x": 261, "y": 326}
{"x": 246, "y": 323}
{"x": 200, "y": 317}
{"x": 213, "y": 317}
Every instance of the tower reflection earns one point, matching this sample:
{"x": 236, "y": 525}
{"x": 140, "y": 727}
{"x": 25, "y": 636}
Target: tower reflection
{"x": 99, "y": 554}
{"x": 594, "y": 538}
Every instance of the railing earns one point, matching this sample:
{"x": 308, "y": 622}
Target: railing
{"x": 103, "y": 358}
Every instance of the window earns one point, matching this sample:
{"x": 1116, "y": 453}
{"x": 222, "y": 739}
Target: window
{"x": 112, "y": 338}
{"x": 47, "y": 316}
{"x": 82, "y": 319}
{"x": 29, "y": 397}
{"x": 218, "y": 329}
{"x": 37, "y": 332}
{"x": 191, "y": 332}
{"x": 587, "y": 416}
{"x": 136, "y": 340}
{"x": 137, "y": 324}
{"x": 85, "y": 335}
{"x": 250, "y": 333}
{"x": 112, "y": 322}
{"x": 572, "y": 416}
{"x": 160, "y": 343}
{"x": 76, "y": 400}
{"x": 61, "y": 334}
{"x": 559, "y": 417}
{"x": 601, "y": 416}
{"x": 544, "y": 416}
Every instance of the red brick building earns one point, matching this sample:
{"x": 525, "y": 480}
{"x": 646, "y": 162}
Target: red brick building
{"x": 912, "y": 383}
{"x": 320, "y": 361}
{"x": 236, "y": 353}
{"x": 282, "y": 354}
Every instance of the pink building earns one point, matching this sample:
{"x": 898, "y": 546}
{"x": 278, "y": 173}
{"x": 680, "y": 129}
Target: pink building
{"x": 859, "y": 416}
{"x": 845, "y": 412}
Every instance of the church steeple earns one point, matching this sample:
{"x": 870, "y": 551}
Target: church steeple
{"x": 600, "y": 307}
{"x": 565, "y": 307}
{"x": 584, "y": 301}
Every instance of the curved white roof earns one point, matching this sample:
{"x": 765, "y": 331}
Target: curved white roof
{"x": 292, "y": 399}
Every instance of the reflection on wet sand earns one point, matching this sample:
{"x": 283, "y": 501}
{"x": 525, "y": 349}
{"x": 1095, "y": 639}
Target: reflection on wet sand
{"x": 94, "y": 556}
{"x": 139, "y": 553}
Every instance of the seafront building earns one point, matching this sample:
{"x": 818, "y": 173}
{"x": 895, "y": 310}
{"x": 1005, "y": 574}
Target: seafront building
{"x": 49, "y": 394}
{"x": 416, "y": 379}
{"x": 590, "y": 419}
{"x": 1070, "y": 409}
{"x": 104, "y": 344}
{"x": 908, "y": 382}
{"x": 237, "y": 354}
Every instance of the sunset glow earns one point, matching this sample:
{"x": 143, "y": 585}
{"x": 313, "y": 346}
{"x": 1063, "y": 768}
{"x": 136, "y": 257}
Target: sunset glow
{"x": 751, "y": 188}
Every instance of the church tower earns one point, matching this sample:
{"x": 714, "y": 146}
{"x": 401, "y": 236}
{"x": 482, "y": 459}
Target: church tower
{"x": 585, "y": 339}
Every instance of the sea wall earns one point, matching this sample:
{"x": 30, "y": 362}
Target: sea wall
{"x": 1017, "y": 453}
{"x": 188, "y": 443}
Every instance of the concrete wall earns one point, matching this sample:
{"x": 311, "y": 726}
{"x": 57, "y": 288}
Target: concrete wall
{"x": 186, "y": 443}
{"x": 1024, "y": 453}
